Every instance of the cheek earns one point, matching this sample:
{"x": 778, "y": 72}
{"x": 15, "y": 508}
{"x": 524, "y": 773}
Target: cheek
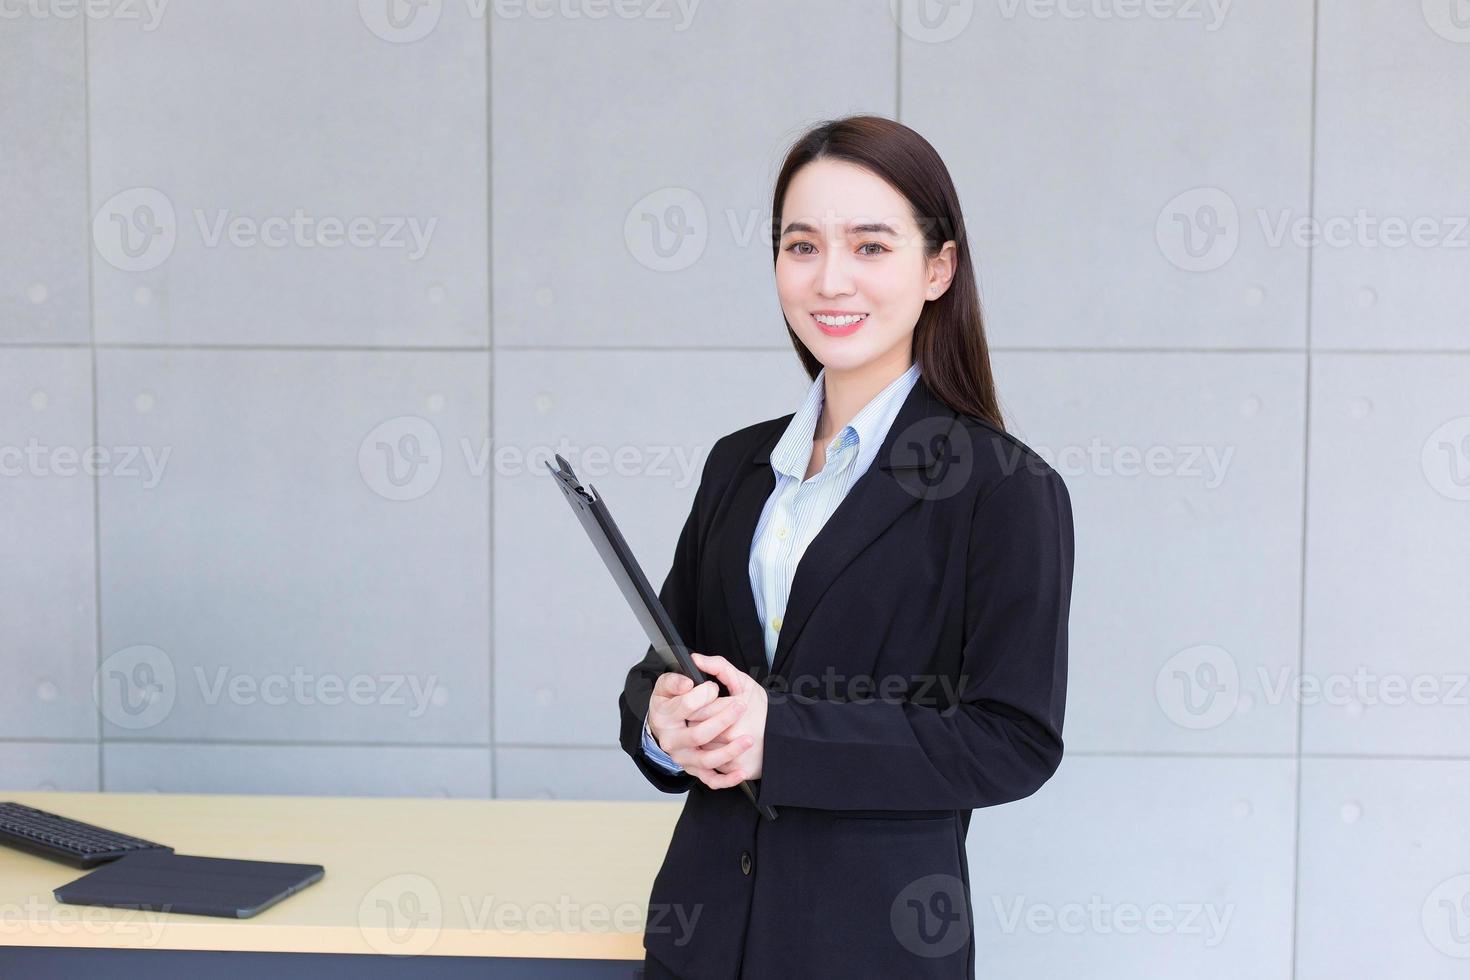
{"x": 791, "y": 282}
{"x": 893, "y": 287}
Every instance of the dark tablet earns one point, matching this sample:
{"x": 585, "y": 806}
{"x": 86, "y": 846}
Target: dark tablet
{"x": 598, "y": 522}
{"x": 159, "y": 881}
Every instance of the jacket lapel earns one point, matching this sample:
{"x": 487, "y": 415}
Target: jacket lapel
{"x": 875, "y": 501}
{"x": 754, "y": 484}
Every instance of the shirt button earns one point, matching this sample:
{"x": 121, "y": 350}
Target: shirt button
{"x": 745, "y": 862}
{"x": 776, "y": 624}
{"x": 782, "y": 531}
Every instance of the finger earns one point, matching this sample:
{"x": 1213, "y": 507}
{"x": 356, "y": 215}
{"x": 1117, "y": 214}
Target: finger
{"x": 732, "y": 677}
{"x": 696, "y": 698}
{"x": 716, "y": 706}
{"x": 663, "y": 709}
{"x": 705, "y": 776}
{"x": 714, "y": 758}
{"x": 710, "y": 727}
{"x": 709, "y": 710}
{"x": 724, "y": 780}
{"x": 682, "y": 739}
{"x": 711, "y": 778}
{"x": 665, "y": 715}
{"x": 670, "y": 684}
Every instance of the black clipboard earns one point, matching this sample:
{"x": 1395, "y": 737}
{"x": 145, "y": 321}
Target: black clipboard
{"x": 625, "y": 570}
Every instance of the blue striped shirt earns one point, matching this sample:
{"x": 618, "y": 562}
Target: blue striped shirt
{"x": 798, "y": 508}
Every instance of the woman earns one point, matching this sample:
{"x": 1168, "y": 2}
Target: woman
{"x": 886, "y": 575}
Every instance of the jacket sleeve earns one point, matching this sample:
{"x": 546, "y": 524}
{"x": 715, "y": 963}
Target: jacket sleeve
{"x": 678, "y": 594}
{"x": 1003, "y": 739}
{"x": 651, "y": 749}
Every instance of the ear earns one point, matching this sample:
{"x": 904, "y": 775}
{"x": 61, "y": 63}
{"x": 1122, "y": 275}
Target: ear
{"x": 940, "y": 271}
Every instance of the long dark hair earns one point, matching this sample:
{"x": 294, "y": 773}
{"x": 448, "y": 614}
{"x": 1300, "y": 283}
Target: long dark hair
{"x": 949, "y": 338}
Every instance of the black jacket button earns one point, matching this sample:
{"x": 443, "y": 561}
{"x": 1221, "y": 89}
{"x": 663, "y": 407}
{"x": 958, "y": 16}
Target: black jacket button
{"x": 745, "y": 862}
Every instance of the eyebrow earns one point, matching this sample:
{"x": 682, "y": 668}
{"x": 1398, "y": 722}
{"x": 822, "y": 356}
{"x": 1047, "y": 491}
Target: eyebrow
{"x": 862, "y": 229}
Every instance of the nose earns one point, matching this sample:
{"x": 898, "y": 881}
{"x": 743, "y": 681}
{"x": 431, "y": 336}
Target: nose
{"x": 834, "y": 278}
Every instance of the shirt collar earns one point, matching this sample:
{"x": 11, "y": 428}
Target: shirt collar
{"x": 793, "y": 451}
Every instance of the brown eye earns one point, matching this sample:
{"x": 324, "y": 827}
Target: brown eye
{"x": 792, "y": 247}
{"x": 881, "y": 248}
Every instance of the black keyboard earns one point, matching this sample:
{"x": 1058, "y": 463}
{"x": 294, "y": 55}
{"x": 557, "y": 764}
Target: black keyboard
{"x": 78, "y": 844}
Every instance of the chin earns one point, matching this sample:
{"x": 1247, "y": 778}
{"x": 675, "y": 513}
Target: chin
{"x": 834, "y": 358}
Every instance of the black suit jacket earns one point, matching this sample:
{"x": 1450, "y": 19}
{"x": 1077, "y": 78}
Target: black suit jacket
{"x": 920, "y": 673}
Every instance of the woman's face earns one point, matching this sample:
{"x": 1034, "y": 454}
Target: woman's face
{"x": 850, "y": 247}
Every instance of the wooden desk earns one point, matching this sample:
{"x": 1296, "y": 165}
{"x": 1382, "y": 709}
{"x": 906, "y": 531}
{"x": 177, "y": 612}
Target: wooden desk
{"x": 413, "y": 887}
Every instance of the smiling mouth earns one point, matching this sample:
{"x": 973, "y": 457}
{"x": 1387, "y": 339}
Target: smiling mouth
{"x": 839, "y": 326}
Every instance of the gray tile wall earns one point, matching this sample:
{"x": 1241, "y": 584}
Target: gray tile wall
{"x": 295, "y": 299}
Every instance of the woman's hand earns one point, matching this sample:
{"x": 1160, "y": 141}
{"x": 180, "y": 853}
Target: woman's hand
{"x": 674, "y": 700}
{"x": 748, "y": 725}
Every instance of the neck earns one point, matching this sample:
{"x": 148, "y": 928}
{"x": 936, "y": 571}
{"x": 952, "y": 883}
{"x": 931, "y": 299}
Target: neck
{"x": 846, "y": 392}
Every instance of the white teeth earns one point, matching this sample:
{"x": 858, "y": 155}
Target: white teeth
{"x": 838, "y": 321}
